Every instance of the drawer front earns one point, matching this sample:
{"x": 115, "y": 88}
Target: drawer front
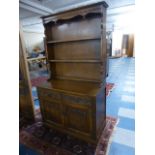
{"x": 49, "y": 94}
{"x": 71, "y": 99}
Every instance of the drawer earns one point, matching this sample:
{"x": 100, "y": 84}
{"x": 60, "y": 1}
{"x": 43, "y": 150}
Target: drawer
{"x": 49, "y": 94}
{"x": 71, "y": 99}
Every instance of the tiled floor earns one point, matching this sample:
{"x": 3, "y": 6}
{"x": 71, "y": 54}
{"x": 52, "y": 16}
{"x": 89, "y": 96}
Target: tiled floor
{"x": 120, "y": 104}
{"x": 125, "y": 112}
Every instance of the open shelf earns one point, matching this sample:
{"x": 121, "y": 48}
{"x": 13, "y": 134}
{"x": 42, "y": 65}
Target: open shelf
{"x": 73, "y": 40}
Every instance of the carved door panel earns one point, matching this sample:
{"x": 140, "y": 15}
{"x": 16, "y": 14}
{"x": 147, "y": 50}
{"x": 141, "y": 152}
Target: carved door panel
{"x": 78, "y": 118}
{"x": 52, "y": 112}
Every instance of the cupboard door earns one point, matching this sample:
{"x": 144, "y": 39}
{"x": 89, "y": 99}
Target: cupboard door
{"x": 52, "y": 112}
{"x": 78, "y": 118}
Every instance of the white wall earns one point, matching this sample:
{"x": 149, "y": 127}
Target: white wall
{"x": 120, "y": 21}
{"x": 122, "y": 18}
{"x": 117, "y": 43}
{"x": 33, "y": 39}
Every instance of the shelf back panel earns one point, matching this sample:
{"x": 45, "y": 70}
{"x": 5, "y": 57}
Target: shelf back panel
{"x": 86, "y": 71}
{"x": 74, "y": 29}
{"x": 84, "y": 50}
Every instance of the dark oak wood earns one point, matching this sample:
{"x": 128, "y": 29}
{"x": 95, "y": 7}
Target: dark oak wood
{"x": 26, "y": 105}
{"x": 73, "y": 40}
{"x": 75, "y": 107}
{"x": 130, "y": 49}
{"x": 87, "y": 61}
{"x": 74, "y": 99}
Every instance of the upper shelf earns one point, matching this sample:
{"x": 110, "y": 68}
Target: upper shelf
{"x": 73, "y": 40}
